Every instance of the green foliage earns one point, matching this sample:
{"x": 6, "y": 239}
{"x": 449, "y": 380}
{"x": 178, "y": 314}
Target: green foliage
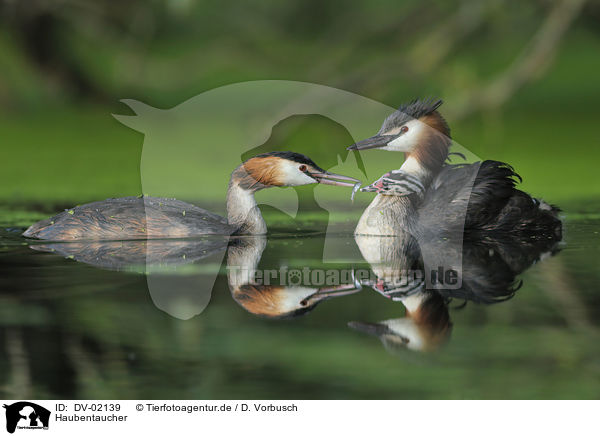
{"x": 87, "y": 333}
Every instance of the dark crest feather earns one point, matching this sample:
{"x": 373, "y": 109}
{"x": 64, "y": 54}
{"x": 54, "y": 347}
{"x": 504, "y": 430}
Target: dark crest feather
{"x": 418, "y": 108}
{"x": 413, "y": 110}
{"x": 289, "y": 155}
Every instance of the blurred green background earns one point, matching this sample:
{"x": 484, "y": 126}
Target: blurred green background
{"x": 520, "y": 80}
{"x": 520, "y": 84}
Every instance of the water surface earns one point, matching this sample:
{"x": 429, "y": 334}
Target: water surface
{"x": 70, "y": 329}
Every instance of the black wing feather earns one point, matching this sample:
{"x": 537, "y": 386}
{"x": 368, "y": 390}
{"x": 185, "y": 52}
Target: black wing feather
{"x": 482, "y": 197}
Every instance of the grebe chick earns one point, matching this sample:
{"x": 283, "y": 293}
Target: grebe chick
{"x": 152, "y": 217}
{"x": 427, "y": 195}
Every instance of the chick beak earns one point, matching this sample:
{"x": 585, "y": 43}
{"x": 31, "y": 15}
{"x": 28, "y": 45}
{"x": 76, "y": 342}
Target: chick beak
{"x": 327, "y": 178}
{"x": 376, "y": 141}
{"x": 332, "y": 292}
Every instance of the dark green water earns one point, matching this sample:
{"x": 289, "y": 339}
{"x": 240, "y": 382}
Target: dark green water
{"x": 74, "y": 330}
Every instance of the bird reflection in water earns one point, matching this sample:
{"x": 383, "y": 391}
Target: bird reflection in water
{"x": 272, "y": 300}
{"x": 488, "y": 275}
{"x": 138, "y": 255}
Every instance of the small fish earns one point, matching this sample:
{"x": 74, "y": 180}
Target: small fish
{"x": 354, "y": 190}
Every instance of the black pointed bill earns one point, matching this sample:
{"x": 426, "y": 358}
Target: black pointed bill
{"x": 376, "y": 141}
{"x": 370, "y": 328}
{"x": 332, "y": 292}
{"x": 327, "y": 178}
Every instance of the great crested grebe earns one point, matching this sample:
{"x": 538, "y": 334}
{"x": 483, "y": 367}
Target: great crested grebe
{"x": 151, "y": 217}
{"x": 426, "y": 194}
{"x": 267, "y": 300}
{"x": 400, "y": 276}
{"x": 488, "y": 275}
{"x": 425, "y": 327}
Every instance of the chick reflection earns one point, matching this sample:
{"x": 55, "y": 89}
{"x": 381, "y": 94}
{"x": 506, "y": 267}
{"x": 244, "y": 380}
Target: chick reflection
{"x": 271, "y": 300}
{"x": 488, "y": 275}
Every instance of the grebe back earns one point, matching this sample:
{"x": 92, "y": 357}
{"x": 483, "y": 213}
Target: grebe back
{"x": 151, "y": 217}
{"x": 429, "y": 195}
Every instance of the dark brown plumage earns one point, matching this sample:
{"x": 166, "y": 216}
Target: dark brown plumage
{"x": 130, "y": 218}
{"x": 151, "y": 217}
{"x": 493, "y": 204}
{"x": 457, "y": 200}
{"x": 136, "y": 255}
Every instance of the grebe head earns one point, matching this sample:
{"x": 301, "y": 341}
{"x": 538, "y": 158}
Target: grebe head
{"x": 425, "y": 327}
{"x": 417, "y": 129}
{"x": 265, "y": 171}
{"x": 284, "y": 169}
{"x": 252, "y": 290}
{"x": 286, "y": 301}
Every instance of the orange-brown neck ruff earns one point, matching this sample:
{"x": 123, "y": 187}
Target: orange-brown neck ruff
{"x": 433, "y": 319}
{"x": 258, "y": 173}
{"x": 434, "y": 143}
{"x": 269, "y": 301}
{"x": 259, "y": 299}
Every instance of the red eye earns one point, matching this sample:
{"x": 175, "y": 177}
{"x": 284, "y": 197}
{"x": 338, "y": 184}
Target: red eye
{"x": 403, "y": 129}
{"x": 302, "y": 168}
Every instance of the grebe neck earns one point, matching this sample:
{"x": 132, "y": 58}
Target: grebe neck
{"x": 413, "y": 302}
{"x": 413, "y": 166}
{"x": 243, "y": 256}
{"x": 242, "y": 210}
{"x": 427, "y": 158}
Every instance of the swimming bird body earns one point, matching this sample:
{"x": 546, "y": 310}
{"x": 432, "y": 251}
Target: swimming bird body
{"x": 151, "y": 217}
{"x": 427, "y": 195}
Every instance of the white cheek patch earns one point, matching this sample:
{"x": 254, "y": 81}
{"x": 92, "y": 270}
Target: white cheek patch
{"x": 405, "y": 327}
{"x": 293, "y": 296}
{"x": 295, "y": 177}
{"x": 407, "y": 141}
{"x": 302, "y": 179}
{"x": 399, "y": 144}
